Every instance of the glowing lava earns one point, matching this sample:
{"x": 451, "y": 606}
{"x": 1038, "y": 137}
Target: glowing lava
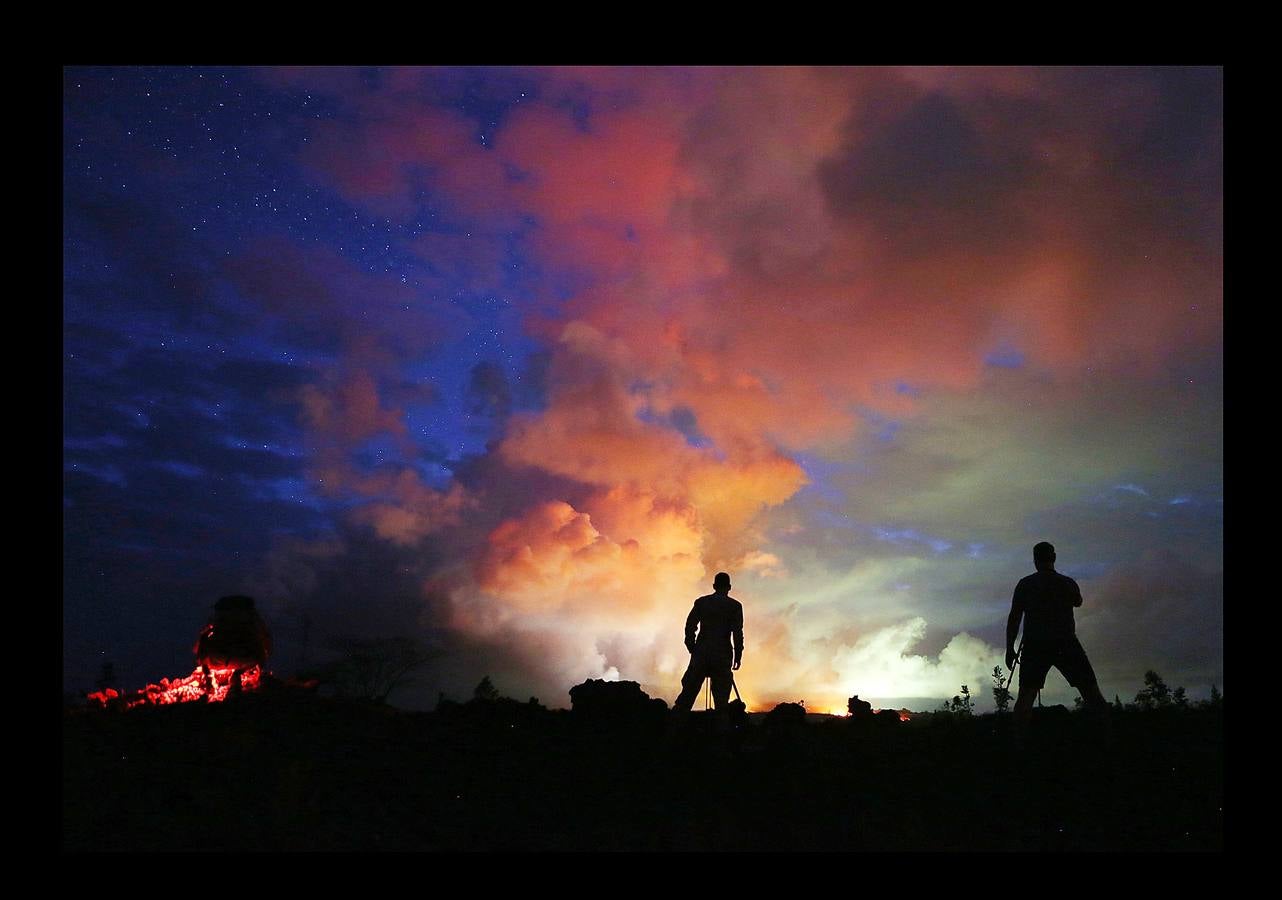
{"x": 184, "y": 690}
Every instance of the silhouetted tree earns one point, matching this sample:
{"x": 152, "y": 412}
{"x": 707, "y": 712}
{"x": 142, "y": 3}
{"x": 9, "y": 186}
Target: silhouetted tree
{"x": 1179, "y": 699}
{"x": 1156, "y": 695}
{"x": 1001, "y": 693}
{"x": 1117, "y": 702}
{"x": 486, "y": 690}
{"x": 1216, "y": 697}
{"x": 370, "y": 669}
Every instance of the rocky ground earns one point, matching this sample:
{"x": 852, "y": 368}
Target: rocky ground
{"x": 293, "y": 771}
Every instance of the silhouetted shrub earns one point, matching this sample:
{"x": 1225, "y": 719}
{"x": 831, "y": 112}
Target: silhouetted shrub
{"x": 961, "y": 704}
{"x": 491, "y": 712}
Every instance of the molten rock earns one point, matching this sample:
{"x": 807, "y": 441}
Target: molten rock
{"x": 195, "y": 687}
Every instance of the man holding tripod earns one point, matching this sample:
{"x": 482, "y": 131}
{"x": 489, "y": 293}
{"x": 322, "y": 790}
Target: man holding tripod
{"x": 1045, "y": 601}
{"x": 717, "y": 648}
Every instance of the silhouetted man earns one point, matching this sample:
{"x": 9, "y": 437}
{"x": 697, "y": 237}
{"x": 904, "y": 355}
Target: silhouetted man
{"x": 1045, "y": 601}
{"x": 719, "y": 620}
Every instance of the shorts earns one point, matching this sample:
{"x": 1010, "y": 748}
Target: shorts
{"x": 1065, "y": 654}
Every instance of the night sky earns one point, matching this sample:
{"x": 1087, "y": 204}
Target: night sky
{"x": 514, "y": 360}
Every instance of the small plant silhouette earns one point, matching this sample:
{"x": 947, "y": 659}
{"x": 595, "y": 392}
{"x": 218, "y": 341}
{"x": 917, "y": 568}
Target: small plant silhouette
{"x": 1001, "y": 693}
{"x": 961, "y": 704}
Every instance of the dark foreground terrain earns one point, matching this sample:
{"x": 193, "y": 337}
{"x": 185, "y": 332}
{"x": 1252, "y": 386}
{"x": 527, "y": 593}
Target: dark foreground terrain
{"x": 281, "y": 772}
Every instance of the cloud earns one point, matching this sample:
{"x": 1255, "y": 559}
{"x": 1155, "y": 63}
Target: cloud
{"x": 1160, "y": 611}
{"x": 350, "y": 412}
{"x": 343, "y": 418}
{"x": 881, "y": 665}
{"x": 488, "y": 391}
{"x": 473, "y": 258}
{"x": 320, "y": 301}
{"x": 771, "y": 265}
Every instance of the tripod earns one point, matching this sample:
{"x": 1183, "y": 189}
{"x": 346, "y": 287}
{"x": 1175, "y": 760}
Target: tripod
{"x": 707, "y": 691}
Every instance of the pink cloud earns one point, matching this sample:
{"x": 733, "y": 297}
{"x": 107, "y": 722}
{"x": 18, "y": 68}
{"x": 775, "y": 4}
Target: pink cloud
{"x": 769, "y": 251}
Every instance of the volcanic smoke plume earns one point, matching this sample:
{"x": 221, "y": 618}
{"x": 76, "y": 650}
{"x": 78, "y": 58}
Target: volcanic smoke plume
{"x": 858, "y": 337}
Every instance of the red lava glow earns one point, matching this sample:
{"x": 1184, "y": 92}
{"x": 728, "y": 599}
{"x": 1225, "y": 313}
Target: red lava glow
{"x": 183, "y": 690}
{"x": 903, "y": 714}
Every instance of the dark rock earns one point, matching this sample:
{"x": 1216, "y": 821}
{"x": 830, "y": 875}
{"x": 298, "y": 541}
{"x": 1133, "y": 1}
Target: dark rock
{"x": 786, "y": 717}
{"x": 615, "y": 701}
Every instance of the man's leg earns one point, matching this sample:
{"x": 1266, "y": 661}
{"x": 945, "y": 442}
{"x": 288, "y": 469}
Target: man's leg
{"x": 721, "y": 687}
{"x": 1024, "y": 707}
{"x": 1034, "y": 664}
{"x": 1092, "y": 696}
{"x": 1077, "y": 669}
{"x": 691, "y": 681}
{"x": 720, "y": 676}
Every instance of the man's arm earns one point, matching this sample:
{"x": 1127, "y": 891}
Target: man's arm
{"x": 1012, "y": 627}
{"x": 738, "y": 637}
{"x": 1076, "y": 592}
{"x": 691, "y": 621}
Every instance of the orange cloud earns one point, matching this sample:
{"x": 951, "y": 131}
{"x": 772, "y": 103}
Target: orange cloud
{"x": 768, "y": 254}
{"x": 350, "y": 411}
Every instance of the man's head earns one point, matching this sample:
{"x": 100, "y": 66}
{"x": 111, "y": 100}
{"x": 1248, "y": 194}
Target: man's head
{"x": 721, "y": 583}
{"x": 1044, "y": 556}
